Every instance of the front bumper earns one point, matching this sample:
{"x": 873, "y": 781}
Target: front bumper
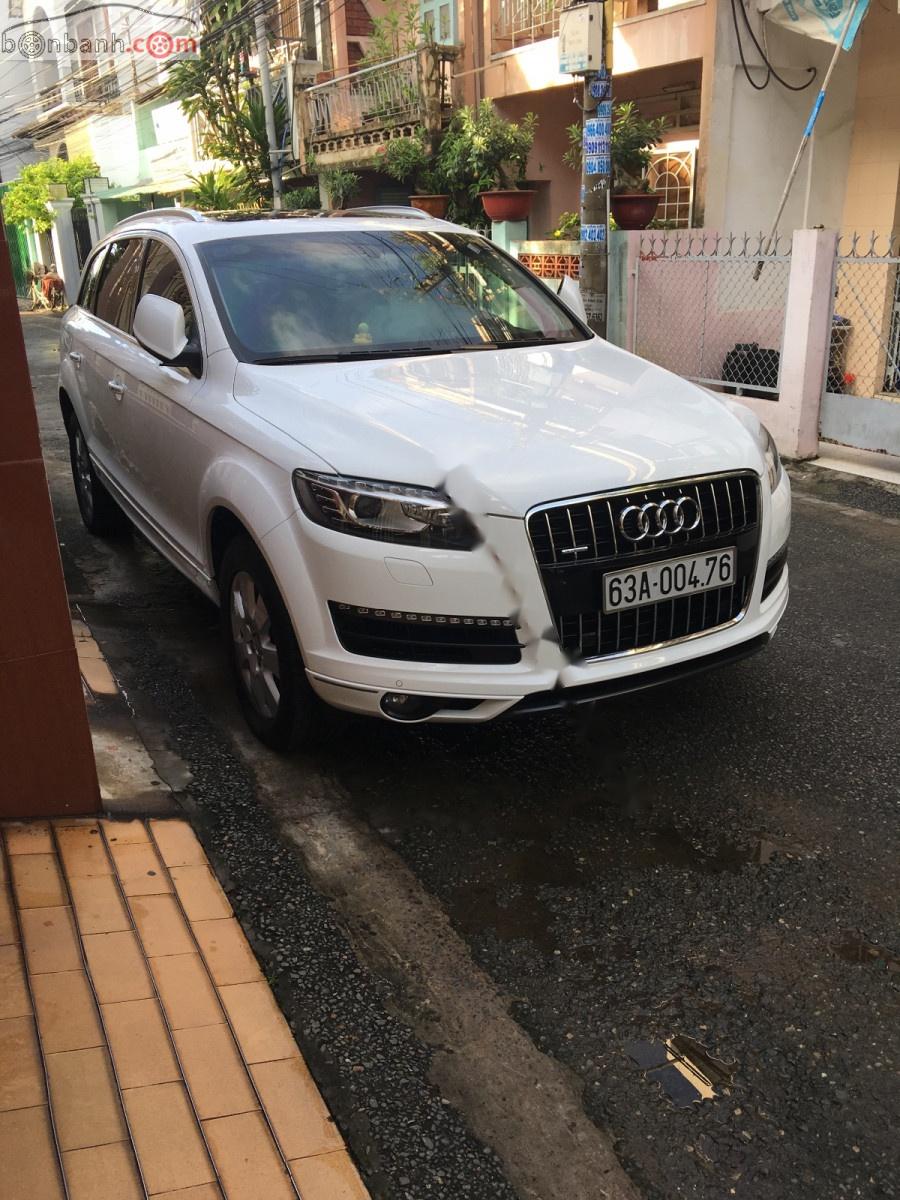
{"x": 316, "y": 566}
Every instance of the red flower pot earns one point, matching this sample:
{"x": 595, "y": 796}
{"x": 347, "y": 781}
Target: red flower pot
{"x": 634, "y": 210}
{"x": 513, "y": 205}
{"x": 435, "y": 206}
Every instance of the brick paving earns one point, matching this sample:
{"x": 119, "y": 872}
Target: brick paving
{"x": 142, "y": 1053}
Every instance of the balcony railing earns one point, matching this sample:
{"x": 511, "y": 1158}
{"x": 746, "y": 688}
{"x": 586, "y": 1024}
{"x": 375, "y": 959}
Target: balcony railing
{"x": 522, "y": 21}
{"x": 519, "y": 22}
{"x": 386, "y": 94}
{"x": 362, "y": 110}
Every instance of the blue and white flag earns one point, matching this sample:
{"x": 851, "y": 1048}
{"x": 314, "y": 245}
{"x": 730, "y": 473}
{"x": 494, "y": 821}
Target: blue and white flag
{"x": 822, "y": 19}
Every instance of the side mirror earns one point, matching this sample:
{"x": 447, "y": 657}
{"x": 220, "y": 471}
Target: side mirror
{"x": 159, "y": 327}
{"x": 570, "y": 294}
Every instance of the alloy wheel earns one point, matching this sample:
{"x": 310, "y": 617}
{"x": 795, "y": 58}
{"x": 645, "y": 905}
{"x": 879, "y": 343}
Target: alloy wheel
{"x": 255, "y": 652}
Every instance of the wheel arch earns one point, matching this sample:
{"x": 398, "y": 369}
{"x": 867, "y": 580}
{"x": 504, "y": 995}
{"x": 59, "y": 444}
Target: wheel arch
{"x": 67, "y": 408}
{"x": 224, "y": 525}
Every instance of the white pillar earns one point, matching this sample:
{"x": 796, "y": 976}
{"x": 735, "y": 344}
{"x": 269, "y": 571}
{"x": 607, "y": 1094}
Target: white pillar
{"x": 96, "y": 215}
{"x": 504, "y": 233}
{"x": 793, "y": 419}
{"x": 64, "y": 248}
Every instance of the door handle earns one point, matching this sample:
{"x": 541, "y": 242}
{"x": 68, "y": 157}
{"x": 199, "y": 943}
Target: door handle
{"x": 117, "y": 389}
{"x": 76, "y": 358}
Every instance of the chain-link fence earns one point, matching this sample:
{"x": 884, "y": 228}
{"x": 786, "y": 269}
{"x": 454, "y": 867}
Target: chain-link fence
{"x": 865, "y": 332}
{"x": 700, "y": 313}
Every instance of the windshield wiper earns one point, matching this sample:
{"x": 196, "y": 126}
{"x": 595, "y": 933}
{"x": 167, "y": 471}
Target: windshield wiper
{"x": 340, "y": 356}
{"x": 354, "y": 355}
{"x": 371, "y": 352}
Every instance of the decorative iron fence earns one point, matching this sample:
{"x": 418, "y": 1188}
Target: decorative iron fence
{"x": 865, "y": 336}
{"x": 519, "y": 22}
{"x": 699, "y": 312}
{"x": 379, "y": 96}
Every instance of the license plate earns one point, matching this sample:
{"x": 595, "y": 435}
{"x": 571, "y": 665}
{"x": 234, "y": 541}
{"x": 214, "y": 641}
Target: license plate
{"x": 668, "y": 579}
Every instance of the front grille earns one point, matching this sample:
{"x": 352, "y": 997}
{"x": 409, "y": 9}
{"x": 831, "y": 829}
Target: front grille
{"x": 425, "y": 637}
{"x": 576, "y": 542}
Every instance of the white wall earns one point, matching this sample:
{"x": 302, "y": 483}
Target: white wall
{"x": 749, "y": 138}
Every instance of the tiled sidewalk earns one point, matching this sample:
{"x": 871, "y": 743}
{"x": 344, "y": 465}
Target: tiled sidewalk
{"x": 141, "y": 1051}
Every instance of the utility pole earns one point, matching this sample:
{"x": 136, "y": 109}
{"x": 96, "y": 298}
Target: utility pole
{"x": 262, "y": 53}
{"x": 586, "y": 50}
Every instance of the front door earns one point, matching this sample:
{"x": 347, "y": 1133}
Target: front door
{"x": 165, "y": 457}
{"x": 106, "y": 342}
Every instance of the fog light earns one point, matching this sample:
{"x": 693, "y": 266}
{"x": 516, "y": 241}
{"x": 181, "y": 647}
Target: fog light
{"x": 403, "y": 707}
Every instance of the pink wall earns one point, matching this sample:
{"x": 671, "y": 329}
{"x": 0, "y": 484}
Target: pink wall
{"x": 557, "y": 185}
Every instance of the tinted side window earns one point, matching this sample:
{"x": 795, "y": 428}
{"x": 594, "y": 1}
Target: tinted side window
{"x": 164, "y": 277}
{"x": 115, "y": 299}
{"x": 88, "y": 292}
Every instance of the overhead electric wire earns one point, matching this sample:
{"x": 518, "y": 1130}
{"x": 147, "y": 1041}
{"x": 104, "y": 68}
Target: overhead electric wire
{"x": 771, "y": 73}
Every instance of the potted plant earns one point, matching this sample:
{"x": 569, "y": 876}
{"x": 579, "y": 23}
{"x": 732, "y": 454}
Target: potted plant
{"x": 484, "y": 155}
{"x": 408, "y": 160}
{"x": 633, "y": 138}
{"x": 632, "y": 203}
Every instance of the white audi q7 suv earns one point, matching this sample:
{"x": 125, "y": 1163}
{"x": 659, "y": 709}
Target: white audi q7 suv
{"x": 415, "y": 482}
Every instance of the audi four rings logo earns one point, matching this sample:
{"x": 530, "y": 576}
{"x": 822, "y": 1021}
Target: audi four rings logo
{"x": 652, "y": 520}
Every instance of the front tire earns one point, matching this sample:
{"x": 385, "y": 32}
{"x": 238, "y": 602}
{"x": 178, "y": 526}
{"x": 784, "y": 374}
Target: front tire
{"x": 275, "y": 695}
{"x": 101, "y": 515}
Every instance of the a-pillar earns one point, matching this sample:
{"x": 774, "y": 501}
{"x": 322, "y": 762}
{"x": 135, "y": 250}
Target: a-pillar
{"x": 65, "y": 250}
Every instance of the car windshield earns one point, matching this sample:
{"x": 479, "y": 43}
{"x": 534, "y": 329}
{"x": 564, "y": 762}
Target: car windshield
{"x": 336, "y": 295}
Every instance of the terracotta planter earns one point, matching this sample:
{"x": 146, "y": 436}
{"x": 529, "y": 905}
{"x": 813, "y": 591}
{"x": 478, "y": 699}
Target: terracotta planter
{"x": 512, "y": 205}
{"x": 634, "y": 210}
{"x": 435, "y": 206}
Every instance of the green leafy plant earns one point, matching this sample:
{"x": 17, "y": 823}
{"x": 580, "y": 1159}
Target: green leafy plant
{"x": 572, "y": 153}
{"x": 341, "y": 185}
{"x": 214, "y": 88}
{"x": 397, "y": 31}
{"x": 567, "y": 227}
{"x": 221, "y": 189}
{"x": 482, "y": 151}
{"x": 26, "y": 199}
{"x": 302, "y": 197}
{"x": 631, "y": 147}
{"x": 408, "y": 161}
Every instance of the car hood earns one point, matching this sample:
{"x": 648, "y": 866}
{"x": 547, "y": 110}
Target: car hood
{"x": 521, "y": 426}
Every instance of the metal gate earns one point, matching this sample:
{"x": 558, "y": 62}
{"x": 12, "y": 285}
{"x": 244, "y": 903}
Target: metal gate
{"x": 82, "y": 230}
{"x": 861, "y": 400}
{"x": 18, "y": 256}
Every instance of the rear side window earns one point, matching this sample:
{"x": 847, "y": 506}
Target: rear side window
{"x": 88, "y": 293}
{"x": 164, "y": 277}
{"x": 118, "y": 283}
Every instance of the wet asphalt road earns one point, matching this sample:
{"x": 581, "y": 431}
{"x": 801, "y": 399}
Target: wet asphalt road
{"x": 717, "y": 859}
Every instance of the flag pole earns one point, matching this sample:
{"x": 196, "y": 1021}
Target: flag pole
{"x": 807, "y": 134}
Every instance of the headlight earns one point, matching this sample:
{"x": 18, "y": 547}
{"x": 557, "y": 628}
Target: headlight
{"x": 774, "y": 469}
{"x": 388, "y": 512}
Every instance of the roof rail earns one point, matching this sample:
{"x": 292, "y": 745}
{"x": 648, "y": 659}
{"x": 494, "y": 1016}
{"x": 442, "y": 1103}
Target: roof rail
{"x": 384, "y": 210}
{"x": 183, "y": 214}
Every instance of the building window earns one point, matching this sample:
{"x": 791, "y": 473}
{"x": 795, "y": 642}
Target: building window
{"x": 439, "y": 21}
{"x": 671, "y": 176}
